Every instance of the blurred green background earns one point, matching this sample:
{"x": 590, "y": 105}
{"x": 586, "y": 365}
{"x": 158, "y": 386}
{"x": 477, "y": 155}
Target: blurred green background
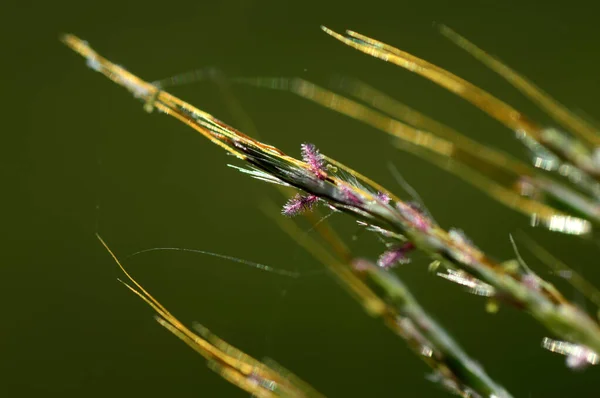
{"x": 81, "y": 156}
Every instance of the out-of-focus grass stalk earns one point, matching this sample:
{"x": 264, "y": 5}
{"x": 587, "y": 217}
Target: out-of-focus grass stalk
{"x": 383, "y": 295}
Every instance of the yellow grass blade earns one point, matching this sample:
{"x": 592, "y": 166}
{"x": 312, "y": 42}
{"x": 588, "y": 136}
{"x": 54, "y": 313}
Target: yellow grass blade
{"x": 559, "y": 112}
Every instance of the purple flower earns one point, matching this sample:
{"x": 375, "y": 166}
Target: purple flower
{"x": 314, "y": 159}
{"x": 299, "y": 204}
{"x": 397, "y": 255}
{"x": 415, "y": 216}
{"x": 351, "y": 197}
{"x": 531, "y": 281}
{"x": 384, "y": 197}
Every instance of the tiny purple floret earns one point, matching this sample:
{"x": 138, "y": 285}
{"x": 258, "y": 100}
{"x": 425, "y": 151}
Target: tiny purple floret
{"x": 314, "y": 159}
{"x": 384, "y": 197}
{"x": 531, "y": 281}
{"x": 299, "y": 204}
{"x": 415, "y": 216}
{"x": 350, "y": 196}
{"x": 397, "y": 255}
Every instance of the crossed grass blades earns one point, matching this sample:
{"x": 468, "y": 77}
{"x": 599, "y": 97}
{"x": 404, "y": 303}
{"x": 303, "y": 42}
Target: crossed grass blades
{"x": 406, "y": 227}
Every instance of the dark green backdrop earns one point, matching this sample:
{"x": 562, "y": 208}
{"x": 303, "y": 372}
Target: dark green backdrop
{"x": 82, "y": 156}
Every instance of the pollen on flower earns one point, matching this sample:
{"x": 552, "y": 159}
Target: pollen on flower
{"x": 314, "y": 159}
{"x": 397, "y": 255}
{"x": 299, "y": 204}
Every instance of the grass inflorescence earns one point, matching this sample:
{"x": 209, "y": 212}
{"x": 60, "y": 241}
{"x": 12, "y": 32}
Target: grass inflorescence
{"x": 321, "y": 181}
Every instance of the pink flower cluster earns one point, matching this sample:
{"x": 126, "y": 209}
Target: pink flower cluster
{"x": 314, "y": 159}
{"x": 299, "y": 204}
{"x": 397, "y": 255}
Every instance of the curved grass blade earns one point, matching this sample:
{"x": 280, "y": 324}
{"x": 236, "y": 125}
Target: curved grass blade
{"x": 401, "y": 312}
{"x": 230, "y": 363}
